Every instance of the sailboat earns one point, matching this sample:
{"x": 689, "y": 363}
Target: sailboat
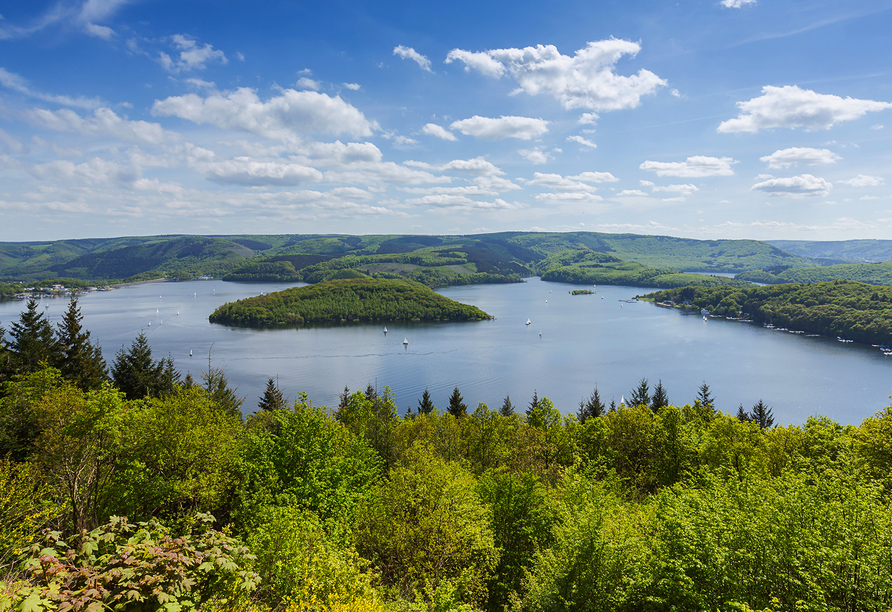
{"x": 405, "y": 342}
{"x": 529, "y": 322}
{"x": 385, "y": 330}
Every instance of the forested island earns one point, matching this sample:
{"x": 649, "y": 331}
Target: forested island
{"x": 854, "y": 311}
{"x": 130, "y": 488}
{"x": 346, "y": 300}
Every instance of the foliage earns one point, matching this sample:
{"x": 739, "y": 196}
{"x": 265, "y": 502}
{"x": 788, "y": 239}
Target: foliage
{"x": 457, "y": 406}
{"x": 32, "y": 343}
{"x": 137, "y": 375}
{"x": 346, "y": 300}
{"x": 272, "y": 398}
{"x": 79, "y": 359}
{"x": 879, "y": 273}
{"x": 25, "y": 508}
{"x": 120, "y": 566}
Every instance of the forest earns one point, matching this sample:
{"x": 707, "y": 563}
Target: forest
{"x": 851, "y": 310}
{"x": 131, "y": 488}
{"x": 346, "y": 300}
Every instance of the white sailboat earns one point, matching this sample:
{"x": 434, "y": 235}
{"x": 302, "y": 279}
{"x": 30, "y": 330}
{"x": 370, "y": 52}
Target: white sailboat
{"x": 529, "y": 322}
{"x": 405, "y": 342}
{"x": 385, "y": 330}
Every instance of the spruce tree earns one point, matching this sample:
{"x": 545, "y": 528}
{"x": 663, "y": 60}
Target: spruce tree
{"x": 79, "y": 360}
{"x": 641, "y": 394}
{"x": 137, "y": 375}
{"x": 592, "y": 407}
{"x": 743, "y": 415}
{"x": 457, "y": 405}
{"x": 507, "y": 408}
{"x": 534, "y": 403}
{"x": 425, "y": 404}
{"x": 612, "y": 405}
{"x": 272, "y": 398}
{"x": 217, "y": 389}
{"x": 660, "y": 399}
{"x": 762, "y": 415}
{"x": 33, "y": 342}
{"x": 704, "y": 396}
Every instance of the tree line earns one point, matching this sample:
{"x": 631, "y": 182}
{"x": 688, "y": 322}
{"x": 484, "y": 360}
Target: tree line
{"x": 150, "y": 492}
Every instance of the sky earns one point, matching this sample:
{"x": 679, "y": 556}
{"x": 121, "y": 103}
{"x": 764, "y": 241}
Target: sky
{"x": 762, "y": 119}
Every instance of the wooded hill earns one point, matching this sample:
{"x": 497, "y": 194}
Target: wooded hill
{"x": 879, "y": 273}
{"x": 854, "y": 311}
{"x": 346, "y": 300}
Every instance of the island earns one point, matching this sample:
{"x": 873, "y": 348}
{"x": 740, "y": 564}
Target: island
{"x": 363, "y": 300}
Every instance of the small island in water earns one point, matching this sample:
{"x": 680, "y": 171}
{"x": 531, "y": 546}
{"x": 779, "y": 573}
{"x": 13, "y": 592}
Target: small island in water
{"x": 346, "y": 300}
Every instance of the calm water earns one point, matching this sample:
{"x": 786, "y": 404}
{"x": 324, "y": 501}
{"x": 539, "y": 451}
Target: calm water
{"x": 585, "y": 341}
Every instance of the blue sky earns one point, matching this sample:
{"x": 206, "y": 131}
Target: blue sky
{"x": 765, "y": 119}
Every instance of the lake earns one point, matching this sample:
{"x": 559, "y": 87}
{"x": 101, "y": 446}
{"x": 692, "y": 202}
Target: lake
{"x": 572, "y": 344}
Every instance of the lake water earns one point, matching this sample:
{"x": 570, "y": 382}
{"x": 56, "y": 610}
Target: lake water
{"x": 585, "y": 341}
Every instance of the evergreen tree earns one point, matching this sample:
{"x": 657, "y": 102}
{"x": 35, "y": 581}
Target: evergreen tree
{"x": 457, "y": 405}
{"x": 79, "y": 360}
{"x": 641, "y": 394}
{"x": 534, "y": 403}
{"x": 137, "y": 375}
{"x": 743, "y": 415}
{"x": 660, "y": 399}
{"x": 216, "y": 387}
{"x": 32, "y": 341}
{"x": 592, "y": 407}
{"x": 425, "y": 404}
{"x": 371, "y": 392}
{"x": 507, "y": 408}
{"x": 704, "y": 396}
{"x": 762, "y": 415}
{"x": 272, "y": 398}
{"x": 612, "y": 405}
{"x": 343, "y": 402}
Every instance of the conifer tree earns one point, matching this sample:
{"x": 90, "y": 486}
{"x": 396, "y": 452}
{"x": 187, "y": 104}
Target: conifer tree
{"x": 704, "y": 396}
{"x": 660, "y": 399}
{"x": 457, "y": 405}
{"x": 612, "y": 405}
{"x": 592, "y": 407}
{"x": 641, "y": 394}
{"x": 507, "y": 408}
{"x": 137, "y": 375}
{"x": 79, "y": 360}
{"x": 272, "y": 398}
{"x": 742, "y": 414}
{"x": 534, "y": 403}
{"x": 762, "y": 415}
{"x": 216, "y": 387}
{"x": 32, "y": 341}
{"x": 425, "y": 404}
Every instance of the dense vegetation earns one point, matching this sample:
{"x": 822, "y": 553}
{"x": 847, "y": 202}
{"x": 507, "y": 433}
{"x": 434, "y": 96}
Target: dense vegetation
{"x": 855, "y": 311}
{"x": 347, "y": 300}
{"x": 838, "y": 251}
{"x": 871, "y": 273}
{"x": 585, "y": 267}
{"x": 652, "y": 505}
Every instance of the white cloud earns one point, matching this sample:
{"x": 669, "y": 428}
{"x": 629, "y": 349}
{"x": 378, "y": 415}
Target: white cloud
{"x": 582, "y": 141}
{"x": 644, "y": 183}
{"x": 104, "y": 122}
{"x": 489, "y": 128}
{"x": 284, "y": 117}
{"x": 404, "y": 141}
{"x": 588, "y": 119}
{"x": 240, "y": 56}
{"x": 308, "y": 83}
{"x": 696, "y": 166}
{"x": 460, "y": 202}
{"x": 792, "y": 107}
{"x": 244, "y": 171}
{"x": 586, "y": 80}
{"x": 475, "y": 167}
{"x": 99, "y": 31}
{"x": 794, "y": 186}
{"x": 682, "y": 189}
{"x": 352, "y": 86}
{"x": 784, "y": 158}
{"x": 878, "y": 126}
{"x": 536, "y": 155}
{"x": 84, "y": 17}
{"x": 632, "y": 192}
{"x": 569, "y": 198}
{"x": 93, "y": 172}
{"x": 556, "y": 182}
{"x": 863, "y": 180}
{"x": 412, "y": 54}
{"x": 10, "y": 80}
{"x": 432, "y": 129}
{"x": 595, "y": 177}
{"x": 736, "y": 3}
{"x": 10, "y": 143}
{"x": 192, "y": 56}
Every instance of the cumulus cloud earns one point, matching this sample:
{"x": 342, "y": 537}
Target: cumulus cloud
{"x": 536, "y": 155}
{"x": 794, "y": 186}
{"x": 460, "y": 202}
{"x": 588, "y": 119}
{"x": 246, "y": 172}
{"x": 104, "y": 122}
{"x": 284, "y": 117}
{"x": 556, "y": 182}
{"x": 684, "y": 190}
{"x": 582, "y": 141}
{"x": 736, "y": 3}
{"x": 308, "y": 83}
{"x": 353, "y": 86}
{"x": 93, "y": 172}
{"x": 490, "y": 128}
{"x": 792, "y": 107}
{"x": 475, "y": 167}
{"x": 569, "y": 198}
{"x": 632, "y": 192}
{"x": 412, "y": 54}
{"x": 595, "y": 177}
{"x": 863, "y": 180}
{"x": 432, "y": 129}
{"x": 13, "y": 81}
{"x": 191, "y": 55}
{"x": 693, "y": 167}
{"x": 784, "y": 158}
{"x": 585, "y": 80}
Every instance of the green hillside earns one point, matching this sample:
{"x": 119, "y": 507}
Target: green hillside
{"x": 871, "y": 273}
{"x": 346, "y": 300}
{"x": 839, "y": 251}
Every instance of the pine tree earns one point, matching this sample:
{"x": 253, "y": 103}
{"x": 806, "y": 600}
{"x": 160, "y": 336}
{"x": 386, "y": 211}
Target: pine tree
{"x": 457, "y": 405}
{"x": 33, "y": 342}
{"x": 743, "y": 415}
{"x": 272, "y": 398}
{"x": 507, "y": 408}
{"x": 660, "y": 399}
{"x": 79, "y": 360}
{"x": 137, "y": 375}
{"x": 425, "y": 404}
{"x": 216, "y": 387}
{"x": 762, "y": 415}
{"x": 704, "y": 396}
{"x": 371, "y": 393}
{"x": 641, "y": 395}
{"x": 612, "y": 405}
{"x": 592, "y": 407}
{"x": 534, "y": 403}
